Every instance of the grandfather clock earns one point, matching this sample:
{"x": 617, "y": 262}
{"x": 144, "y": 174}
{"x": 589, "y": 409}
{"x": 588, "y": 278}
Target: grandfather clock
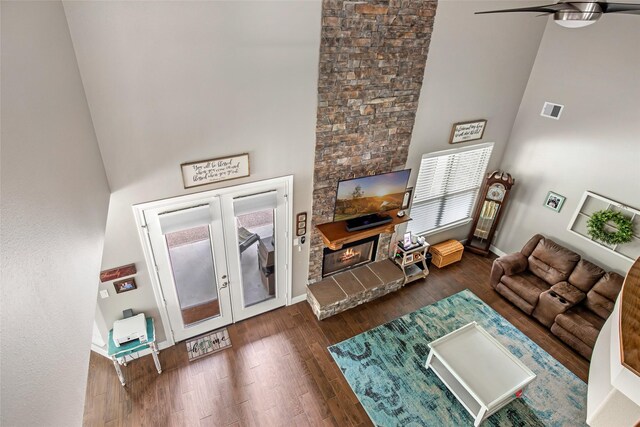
{"x": 491, "y": 201}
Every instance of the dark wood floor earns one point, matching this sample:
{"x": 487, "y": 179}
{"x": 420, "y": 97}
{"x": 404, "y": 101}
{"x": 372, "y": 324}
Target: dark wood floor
{"x": 278, "y": 371}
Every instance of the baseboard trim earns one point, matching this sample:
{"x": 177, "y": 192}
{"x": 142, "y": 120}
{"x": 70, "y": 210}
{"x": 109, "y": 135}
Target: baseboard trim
{"x": 101, "y": 351}
{"x": 497, "y": 251}
{"x": 298, "y": 299}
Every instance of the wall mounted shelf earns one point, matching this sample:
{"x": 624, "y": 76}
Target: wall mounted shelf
{"x": 335, "y": 234}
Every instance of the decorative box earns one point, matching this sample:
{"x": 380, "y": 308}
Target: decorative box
{"x": 446, "y": 253}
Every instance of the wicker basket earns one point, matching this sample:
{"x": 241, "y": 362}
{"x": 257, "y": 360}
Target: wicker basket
{"x": 446, "y": 253}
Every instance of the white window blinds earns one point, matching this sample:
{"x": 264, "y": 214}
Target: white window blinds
{"x": 183, "y": 219}
{"x": 447, "y": 187}
{"x": 255, "y": 202}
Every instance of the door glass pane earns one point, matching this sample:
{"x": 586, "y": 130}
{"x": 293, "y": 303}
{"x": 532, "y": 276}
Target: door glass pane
{"x": 194, "y": 273}
{"x": 256, "y": 246}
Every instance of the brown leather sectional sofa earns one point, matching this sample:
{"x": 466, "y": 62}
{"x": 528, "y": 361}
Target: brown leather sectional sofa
{"x": 570, "y": 295}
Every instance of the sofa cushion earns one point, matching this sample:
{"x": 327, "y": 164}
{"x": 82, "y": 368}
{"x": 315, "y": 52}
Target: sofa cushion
{"x": 552, "y": 262}
{"x": 526, "y": 286}
{"x": 602, "y": 297}
{"x": 585, "y": 275}
{"x": 516, "y": 300}
{"x": 582, "y": 323}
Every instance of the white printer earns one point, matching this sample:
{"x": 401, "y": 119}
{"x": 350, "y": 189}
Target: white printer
{"x": 129, "y": 329}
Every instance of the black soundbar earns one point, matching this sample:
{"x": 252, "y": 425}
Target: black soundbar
{"x": 367, "y": 221}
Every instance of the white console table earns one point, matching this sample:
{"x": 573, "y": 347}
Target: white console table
{"x": 482, "y": 374}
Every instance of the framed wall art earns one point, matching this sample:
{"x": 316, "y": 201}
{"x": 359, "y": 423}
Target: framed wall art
{"x": 554, "y": 201}
{"x": 118, "y": 272}
{"x": 205, "y": 172}
{"x": 125, "y": 285}
{"x": 590, "y": 205}
{"x": 467, "y": 131}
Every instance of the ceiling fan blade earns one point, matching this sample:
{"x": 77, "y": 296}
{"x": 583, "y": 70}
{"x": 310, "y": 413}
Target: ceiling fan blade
{"x": 550, "y": 8}
{"x": 619, "y": 7}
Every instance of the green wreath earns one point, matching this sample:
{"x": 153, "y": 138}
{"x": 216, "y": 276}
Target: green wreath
{"x": 595, "y": 227}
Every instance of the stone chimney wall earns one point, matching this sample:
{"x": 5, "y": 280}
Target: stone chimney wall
{"x": 372, "y": 61}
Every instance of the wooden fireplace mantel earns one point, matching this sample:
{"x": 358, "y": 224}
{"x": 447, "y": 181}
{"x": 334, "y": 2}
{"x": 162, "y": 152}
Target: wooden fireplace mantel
{"x": 335, "y": 234}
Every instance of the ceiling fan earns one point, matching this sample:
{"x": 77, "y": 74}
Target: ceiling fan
{"x": 572, "y": 14}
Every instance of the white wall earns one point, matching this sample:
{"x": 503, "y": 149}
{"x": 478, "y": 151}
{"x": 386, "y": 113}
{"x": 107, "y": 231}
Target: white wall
{"x": 171, "y": 82}
{"x": 478, "y": 68}
{"x": 594, "y": 72}
{"x": 54, "y": 207}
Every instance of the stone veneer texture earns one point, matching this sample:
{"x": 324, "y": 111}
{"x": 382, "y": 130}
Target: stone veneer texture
{"x": 372, "y": 62}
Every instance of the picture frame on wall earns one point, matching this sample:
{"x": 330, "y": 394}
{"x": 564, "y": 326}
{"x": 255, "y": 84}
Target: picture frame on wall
{"x": 125, "y": 285}
{"x": 467, "y": 131}
{"x": 554, "y": 201}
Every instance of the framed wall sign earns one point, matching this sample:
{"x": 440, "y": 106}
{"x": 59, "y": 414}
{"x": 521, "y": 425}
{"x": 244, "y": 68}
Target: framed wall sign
{"x": 209, "y": 171}
{"x": 467, "y": 131}
{"x": 117, "y": 273}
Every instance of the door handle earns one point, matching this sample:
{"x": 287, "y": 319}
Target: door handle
{"x": 224, "y": 285}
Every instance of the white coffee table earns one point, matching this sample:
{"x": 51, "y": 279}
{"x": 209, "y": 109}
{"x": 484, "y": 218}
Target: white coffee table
{"x": 482, "y": 374}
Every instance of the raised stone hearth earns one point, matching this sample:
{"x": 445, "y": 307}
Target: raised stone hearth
{"x": 354, "y": 287}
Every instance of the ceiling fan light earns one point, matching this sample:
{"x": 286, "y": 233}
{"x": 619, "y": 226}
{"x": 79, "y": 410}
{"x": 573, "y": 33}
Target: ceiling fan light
{"x": 574, "y": 23}
{"x": 575, "y": 19}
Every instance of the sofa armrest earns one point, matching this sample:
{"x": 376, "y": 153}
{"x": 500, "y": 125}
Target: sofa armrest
{"x": 568, "y": 292}
{"x": 513, "y": 263}
{"x": 507, "y": 265}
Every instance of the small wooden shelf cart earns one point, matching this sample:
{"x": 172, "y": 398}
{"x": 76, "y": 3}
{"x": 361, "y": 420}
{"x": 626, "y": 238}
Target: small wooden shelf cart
{"x": 412, "y": 261}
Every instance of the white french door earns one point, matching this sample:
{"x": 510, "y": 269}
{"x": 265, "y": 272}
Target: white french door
{"x": 258, "y": 282}
{"x": 220, "y": 256}
{"x": 189, "y": 251}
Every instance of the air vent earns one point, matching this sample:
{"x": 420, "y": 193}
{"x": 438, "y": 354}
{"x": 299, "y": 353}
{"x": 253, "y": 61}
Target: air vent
{"x": 551, "y": 110}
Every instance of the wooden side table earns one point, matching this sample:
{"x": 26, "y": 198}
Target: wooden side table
{"x": 118, "y": 354}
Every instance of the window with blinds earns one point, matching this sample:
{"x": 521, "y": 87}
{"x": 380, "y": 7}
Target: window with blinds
{"x": 447, "y": 186}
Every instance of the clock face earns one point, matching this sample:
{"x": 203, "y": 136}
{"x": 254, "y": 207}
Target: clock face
{"x": 496, "y": 192}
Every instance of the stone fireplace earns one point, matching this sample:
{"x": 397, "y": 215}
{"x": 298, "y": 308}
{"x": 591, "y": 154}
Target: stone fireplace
{"x": 349, "y": 256}
{"x": 372, "y": 62}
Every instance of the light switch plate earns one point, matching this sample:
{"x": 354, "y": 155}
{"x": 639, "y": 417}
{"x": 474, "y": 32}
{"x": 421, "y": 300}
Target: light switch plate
{"x": 104, "y": 293}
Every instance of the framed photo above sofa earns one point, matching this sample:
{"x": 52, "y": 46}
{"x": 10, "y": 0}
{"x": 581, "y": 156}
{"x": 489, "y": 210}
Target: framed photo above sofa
{"x": 554, "y": 201}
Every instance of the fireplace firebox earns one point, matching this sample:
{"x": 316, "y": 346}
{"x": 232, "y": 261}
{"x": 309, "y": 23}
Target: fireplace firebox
{"x": 349, "y": 256}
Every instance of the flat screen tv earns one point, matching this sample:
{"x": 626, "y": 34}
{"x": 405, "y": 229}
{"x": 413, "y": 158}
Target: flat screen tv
{"x": 370, "y": 194}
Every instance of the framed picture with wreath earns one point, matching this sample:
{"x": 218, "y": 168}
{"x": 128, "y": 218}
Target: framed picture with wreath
{"x": 609, "y": 224}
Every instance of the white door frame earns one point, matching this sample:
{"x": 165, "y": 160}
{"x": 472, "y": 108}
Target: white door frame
{"x": 138, "y": 213}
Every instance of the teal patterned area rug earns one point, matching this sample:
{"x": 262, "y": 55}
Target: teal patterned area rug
{"x": 385, "y": 369}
